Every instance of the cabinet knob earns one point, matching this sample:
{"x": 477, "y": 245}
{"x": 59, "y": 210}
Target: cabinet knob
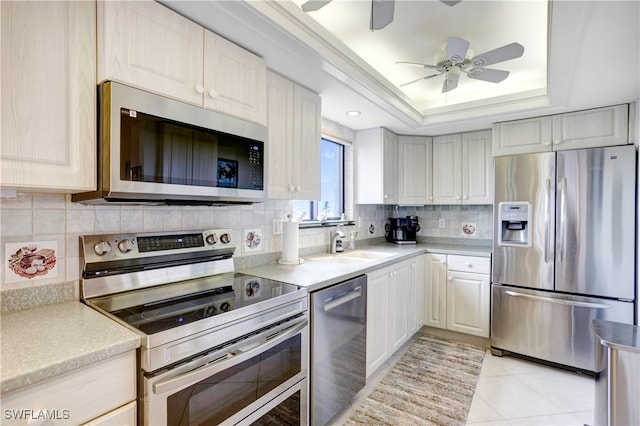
{"x": 468, "y": 265}
{"x": 457, "y": 197}
{"x": 213, "y": 93}
{"x": 292, "y": 188}
{"x": 200, "y": 89}
{"x": 450, "y": 278}
{"x": 431, "y": 197}
{"x": 547, "y": 143}
{"x": 443, "y": 262}
{"x": 556, "y": 142}
{"x": 466, "y": 197}
{"x": 385, "y": 196}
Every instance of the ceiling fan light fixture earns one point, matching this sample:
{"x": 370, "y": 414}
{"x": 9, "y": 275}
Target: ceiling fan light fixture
{"x": 479, "y": 61}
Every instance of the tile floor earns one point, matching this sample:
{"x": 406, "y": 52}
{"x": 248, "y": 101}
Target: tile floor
{"x": 513, "y": 391}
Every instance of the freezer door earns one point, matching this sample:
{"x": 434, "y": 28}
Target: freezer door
{"x": 595, "y": 225}
{"x": 550, "y": 326}
{"x": 526, "y": 178}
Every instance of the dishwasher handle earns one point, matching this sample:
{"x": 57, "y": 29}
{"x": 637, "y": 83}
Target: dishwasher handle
{"x": 342, "y": 298}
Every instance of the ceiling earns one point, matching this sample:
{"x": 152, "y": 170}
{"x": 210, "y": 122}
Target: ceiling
{"x": 578, "y": 54}
{"x": 417, "y": 34}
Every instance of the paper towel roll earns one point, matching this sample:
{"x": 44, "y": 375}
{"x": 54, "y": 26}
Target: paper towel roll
{"x": 290, "y": 242}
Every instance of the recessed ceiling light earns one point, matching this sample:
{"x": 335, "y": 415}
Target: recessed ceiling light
{"x": 353, "y": 113}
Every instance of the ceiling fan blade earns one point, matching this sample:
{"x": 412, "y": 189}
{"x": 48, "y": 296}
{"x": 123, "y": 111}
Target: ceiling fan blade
{"x": 451, "y": 82}
{"x": 450, "y": 2}
{"x": 381, "y": 13}
{"x": 313, "y": 5}
{"x": 456, "y": 49}
{"x": 420, "y": 79}
{"x": 416, "y": 64}
{"x": 488, "y": 74}
{"x": 504, "y": 53}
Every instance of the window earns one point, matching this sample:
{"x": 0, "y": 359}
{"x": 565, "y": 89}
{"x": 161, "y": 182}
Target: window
{"x": 331, "y": 203}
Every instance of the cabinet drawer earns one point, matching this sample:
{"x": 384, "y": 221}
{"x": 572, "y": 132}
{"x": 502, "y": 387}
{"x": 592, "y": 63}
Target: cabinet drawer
{"x": 78, "y": 396}
{"x": 479, "y": 265}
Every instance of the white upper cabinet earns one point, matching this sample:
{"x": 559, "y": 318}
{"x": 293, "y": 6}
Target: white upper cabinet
{"x": 48, "y": 103}
{"x": 376, "y": 167}
{"x": 147, "y": 45}
{"x": 415, "y": 155}
{"x": 463, "y": 169}
{"x": 581, "y": 129}
{"x": 294, "y": 125}
{"x": 235, "y": 79}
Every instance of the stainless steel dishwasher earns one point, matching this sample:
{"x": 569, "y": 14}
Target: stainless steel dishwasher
{"x": 338, "y": 347}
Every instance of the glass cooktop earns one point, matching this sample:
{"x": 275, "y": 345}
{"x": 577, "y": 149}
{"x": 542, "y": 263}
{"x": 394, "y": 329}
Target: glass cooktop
{"x": 160, "y": 308}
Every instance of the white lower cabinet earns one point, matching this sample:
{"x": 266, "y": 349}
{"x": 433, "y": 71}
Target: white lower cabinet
{"x": 100, "y": 394}
{"x": 457, "y": 293}
{"x": 392, "y": 309}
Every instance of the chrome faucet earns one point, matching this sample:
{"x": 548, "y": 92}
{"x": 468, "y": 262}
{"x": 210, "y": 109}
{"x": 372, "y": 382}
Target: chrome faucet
{"x": 335, "y": 242}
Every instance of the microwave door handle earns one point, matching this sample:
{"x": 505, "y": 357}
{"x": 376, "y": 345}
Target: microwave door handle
{"x": 231, "y": 358}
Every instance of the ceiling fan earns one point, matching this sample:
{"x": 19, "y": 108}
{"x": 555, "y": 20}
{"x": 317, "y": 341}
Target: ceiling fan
{"x": 381, "y": 10}
{"x": 456, "y": 57}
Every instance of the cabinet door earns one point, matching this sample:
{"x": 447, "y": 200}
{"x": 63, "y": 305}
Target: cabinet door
{"x": 306, "y": 144}
{"x": 415, "y": 158}
{"x": 376, "y": 167}
{"x": 416, "y": 294}
{"x": 477, "y": 168}
{"x": 435, "y": 290}
{"x": 280, "y": 128}
{"x": 468, "y": 303}
{"x": 399, "y": 301}
{"x": 522, "y": 136}
{"x": 147, "y": 45}
{"x": 447, "y": 174}
{"x": 377, "y": 319}
{"x": 48, "y": 103}
{"x": 235, "y": 80}
{"x": 591, "y": 128}
{"x": 390, "y": 156}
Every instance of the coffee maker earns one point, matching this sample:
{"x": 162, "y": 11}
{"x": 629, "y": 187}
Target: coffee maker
{"x": 402, "y": 230}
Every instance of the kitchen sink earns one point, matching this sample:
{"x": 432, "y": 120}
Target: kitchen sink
{"x": 352, "y": 257}
{"x": 366, "y": 254}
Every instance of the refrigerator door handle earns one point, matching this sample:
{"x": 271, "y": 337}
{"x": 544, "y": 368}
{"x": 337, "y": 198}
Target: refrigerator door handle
{"x": 563, "y": 218}
{"x": 559, "y": 301}
{"x": 547, "y": 221}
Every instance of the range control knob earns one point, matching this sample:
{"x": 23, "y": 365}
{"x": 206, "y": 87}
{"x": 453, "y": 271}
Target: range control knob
{"x": 102, "y": 247}
{"x": 125, "y": 246}
{"x": 211, "y": 239}
{"x": 225, "y": 239}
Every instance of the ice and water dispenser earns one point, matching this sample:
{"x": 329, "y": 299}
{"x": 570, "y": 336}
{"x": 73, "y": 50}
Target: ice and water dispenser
{"x": 515, "y": 222}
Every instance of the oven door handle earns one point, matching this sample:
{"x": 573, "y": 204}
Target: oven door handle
{"x": 234, "y": 355}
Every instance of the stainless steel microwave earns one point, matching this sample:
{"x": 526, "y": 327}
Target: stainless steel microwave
{"x": 157, "y": 150}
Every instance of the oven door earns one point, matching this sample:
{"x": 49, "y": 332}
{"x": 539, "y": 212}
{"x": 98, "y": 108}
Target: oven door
{"x": 259, "y": 377}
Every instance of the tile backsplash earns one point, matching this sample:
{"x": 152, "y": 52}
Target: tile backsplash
{"x": 37, "y": 217}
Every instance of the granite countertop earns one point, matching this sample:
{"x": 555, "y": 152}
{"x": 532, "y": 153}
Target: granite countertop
{"x": 319, "y": 271}
{"x": 46, "y": 341}
{"x": 615, "y": 335}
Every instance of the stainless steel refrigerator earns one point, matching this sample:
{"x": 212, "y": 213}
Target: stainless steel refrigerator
{"x": 564, "y": 251}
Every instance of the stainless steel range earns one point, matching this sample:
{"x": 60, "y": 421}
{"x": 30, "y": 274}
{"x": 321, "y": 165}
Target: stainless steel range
{"x": 217, "y": 347}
